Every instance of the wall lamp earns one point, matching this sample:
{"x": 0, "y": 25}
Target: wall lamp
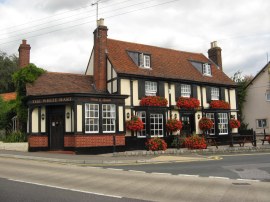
{"x": 42, "y": 116}
{"x": 198, "y": 116}
{"x": 128, "y": 115}
{"x": 68, "y": 115}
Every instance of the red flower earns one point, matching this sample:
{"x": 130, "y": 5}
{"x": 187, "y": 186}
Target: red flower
{"x": 219, "y": 104}
{"x": 155, "y": 144}
{"x": 234, "y": 123}
{"x": 135, "y": 124}
{"x": 195, "y": 142}
{"x": 205, "y": 123}
{"x": 188, "y": 103}
{"x": 173, "y": 125}
{"x": 154, "y": 101}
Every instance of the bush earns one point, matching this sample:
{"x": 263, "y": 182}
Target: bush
{"x": 178, "y": 141}
{"x": 155, "y": 144}
{"x": 15, "y": 137}
{"x": 195, "y": 142}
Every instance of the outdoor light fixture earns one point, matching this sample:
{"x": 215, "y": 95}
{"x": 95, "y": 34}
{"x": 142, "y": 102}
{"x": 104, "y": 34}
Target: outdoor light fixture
{"x": 232, "y": 116}
{"x": 68, "y": 115}
{"x": 175, "y": 116}
{"x": 128, "y": 115}
{"x": 198, "y": 116}
{"x": 42, "y": 116}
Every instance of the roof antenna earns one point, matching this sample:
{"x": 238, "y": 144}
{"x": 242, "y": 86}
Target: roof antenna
{"x": 96, "y": 3}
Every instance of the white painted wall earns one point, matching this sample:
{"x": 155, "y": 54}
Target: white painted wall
{"x": 79, "y": 118}
{"x": 233, "y": 98}
{"x": 43, "y": 122}
{"x": 121, "y": 118}
{"x": 256, "y": 106}
{"x": 125, "y": 90}
{"x": 90, "y": 66}
{"x": 35, "y": 120}
{"x": 68, "y": 120}
{"x": 136, "y": 101}
{"x": 205, "y": 104}
{"x": 173, "y": 94}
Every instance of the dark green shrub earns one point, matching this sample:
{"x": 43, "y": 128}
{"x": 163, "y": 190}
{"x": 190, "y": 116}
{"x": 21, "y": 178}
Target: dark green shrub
{"x": 15, "y": 137}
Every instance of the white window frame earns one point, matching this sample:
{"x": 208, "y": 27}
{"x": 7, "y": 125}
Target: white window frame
{"x": 142, "y": 116}
{"x": 108, "y": 118}
{"x": 211, "y": 116}
{"x": 206, "y": 69}
{"x": 156, "y": 125}
{"x": 145, "y": 60}
{"x": 214, "y": 93}
{"x": 91, "y": 114}
{"x": 223, "y": 123}
{"x": 259, "y": 123}
{"x": 150, "y": 88}
{"x": 267, "y": 95}
{"x": 185, "y": 90}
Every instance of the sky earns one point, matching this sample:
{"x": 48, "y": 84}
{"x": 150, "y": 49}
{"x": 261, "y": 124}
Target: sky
{"x": 61, "y": 32}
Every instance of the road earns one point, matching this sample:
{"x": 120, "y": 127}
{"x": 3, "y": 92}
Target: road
{"x": 239, "y": 166}
{"x": 41, "y": 180}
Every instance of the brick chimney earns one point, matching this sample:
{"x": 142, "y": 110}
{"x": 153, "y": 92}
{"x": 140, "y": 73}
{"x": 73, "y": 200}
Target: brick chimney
{"x": 24, "y": 54}
{"x": 214, "y": 54}
{"x": 100, "y": 50}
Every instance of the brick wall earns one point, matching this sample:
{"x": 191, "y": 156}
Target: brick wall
{"x": 69, "y": 141}
{"x": 98, "y": 140}
{"x": 38, "y": 141}
{"x": 24, "y": 54}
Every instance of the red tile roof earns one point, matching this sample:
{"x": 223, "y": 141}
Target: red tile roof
{"x": 51, "y": 83}
{"x": 165, "y": 63}
{"x": 9, "y": 96}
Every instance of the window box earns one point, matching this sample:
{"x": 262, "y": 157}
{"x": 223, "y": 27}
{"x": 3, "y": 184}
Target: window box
{"x": 154, "y": 101}
{"x": 219, "y": 104}
{"x": 188, "y": 103}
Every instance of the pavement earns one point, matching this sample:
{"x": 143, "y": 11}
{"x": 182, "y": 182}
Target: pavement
{"x": 135, "y": 157}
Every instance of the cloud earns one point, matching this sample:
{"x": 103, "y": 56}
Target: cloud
{"x": 241, "y": 28}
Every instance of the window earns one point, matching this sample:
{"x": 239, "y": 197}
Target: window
{"x": 156, "y": 125}
{"x": 144, "y": 60}
{"x": 214, "y": 93}
{"x": 211, "y": 116}
{"x": 185, "y": 90}
{"x": 261, "y": 123}
{"x": 91, "y": 118}
{"x": 207, "y": 69}
{"x": 223, "y": 123}
{"x": 267, "y": 95}
{"x": 150, "y": 88}
{"x": 142, "y": 116}
{"x": 108, "y": 118}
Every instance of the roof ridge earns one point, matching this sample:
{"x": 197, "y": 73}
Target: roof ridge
{"x": 68, "y": 73}
{"x": 197, "y": 53}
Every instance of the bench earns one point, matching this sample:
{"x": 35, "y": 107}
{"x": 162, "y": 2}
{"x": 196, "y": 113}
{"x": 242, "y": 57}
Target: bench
{"x": 211, "y": 140}
{"x": 265, "y": 138}
{"x": 242, "y": 139}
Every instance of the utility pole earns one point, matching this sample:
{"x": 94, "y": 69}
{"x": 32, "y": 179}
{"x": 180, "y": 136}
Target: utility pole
{"x": 96, "y": 3}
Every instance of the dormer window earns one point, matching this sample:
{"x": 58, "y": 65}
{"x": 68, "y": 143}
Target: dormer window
{"x": 144, "y": 60}
{"x": 207, "y": 69}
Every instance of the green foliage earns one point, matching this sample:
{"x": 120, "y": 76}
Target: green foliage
{"x": 21, "y": 78}
{"x": 242, "y": 82}
{"x": 7, "y": 111}
{"x": 8, "y": 65}
{"x": 15, "y": 137}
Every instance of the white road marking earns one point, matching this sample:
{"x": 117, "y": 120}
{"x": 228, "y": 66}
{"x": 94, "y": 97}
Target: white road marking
{"x": 185, "y": 175}
{"x": 136, "y": 171}
{"x": 216, "y": 177}
{"x": 250, "y": 180}
{"x": 161, "y": 173}
{"x": 114, "y": 169}
{"x": 63, "y": 188}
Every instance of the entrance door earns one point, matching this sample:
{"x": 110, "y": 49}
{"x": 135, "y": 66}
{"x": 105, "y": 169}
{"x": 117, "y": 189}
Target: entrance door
{"x": 57, "y": 128}
{"x": 188, "y": 124}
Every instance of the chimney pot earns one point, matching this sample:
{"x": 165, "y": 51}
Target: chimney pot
{"x": 100, "y": 22}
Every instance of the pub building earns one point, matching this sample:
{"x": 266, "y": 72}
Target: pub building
{"x": 73, "y": 111}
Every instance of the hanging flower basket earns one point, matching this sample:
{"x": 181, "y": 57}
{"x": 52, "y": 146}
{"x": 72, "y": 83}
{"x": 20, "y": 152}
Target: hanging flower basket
{"x": 234, "y": 123}
{"x": 173, "y": 125}
{"x": 205, "y": 123}
{"x": 135, "y": 124}
{"x": 188, "y": 103}
{"x": 155, "y": 144}
{"x": 154, "y": 101}
{"x": 219, "y": 104}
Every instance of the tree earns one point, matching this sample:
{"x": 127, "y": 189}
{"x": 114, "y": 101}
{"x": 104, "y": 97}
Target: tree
{"x": 21, "y": 78}
{"x": 242, "y": 82}
{"x": 8, "y": 65}
{"x": 7, "y": 112}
